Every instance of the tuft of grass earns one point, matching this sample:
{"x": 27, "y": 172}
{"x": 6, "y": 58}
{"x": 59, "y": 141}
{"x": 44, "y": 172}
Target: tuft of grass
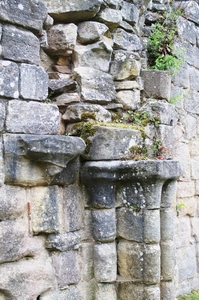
{"x": 192, "y": 296}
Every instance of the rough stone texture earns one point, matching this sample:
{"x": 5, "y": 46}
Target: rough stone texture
{"x": 104, "y": 291}
{"x": 73, "y": 11}
{"x": 125, "y": 65}
{"x": 91, "y": 32}
{"x": 20, "y": 45}
{"x": 59, "y": 86}
{"x": 66, "y": 98}
{"x": 9, "y": 73}
{"x": 70, "y": 274}
{"x": 129, "y": 99}
{"x": 105, "y": 268}
{"x": 182, "y": 232}
{"x": 129, "y": 291}
{"x": 63, "y": 242}
{"x": 33, "y": 82}
{"x": 104, "y": 225}
{"x": 126, "y": 41}
{"x": 2, "y": 167}
{"x": 2, "y": 114}
{"x": 97, "y": 55}
{"x": 46, "y": 205}
{"x": 130, "y": 13}
{"x": 39, "y": 118}
{"x": 29, "y": 14}
{"x": 167, "y": 290}
{"x": 87, "y": 271}
{"x": 167, "y": 217}
{"x": 151, "y": 263}
{"x": 186, "y": 30}
{"x": 96, "y": 86}
{"x": 110, "y": 17}
{"x": 186, "y": 261}
{"x": 126, "y": 85}
{"x": 192, "y": 11}
{"x": 61, "y": 37}
{"x": 167, "y": 261}
{"x": 152, "y": 226}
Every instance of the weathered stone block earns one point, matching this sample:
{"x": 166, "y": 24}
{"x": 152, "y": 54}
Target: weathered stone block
{"x": 104, "y": 225}
{"x": 20, "y": 45}
{"x": 104, "y": 291}
{"x": 67, "y": 269}
{"x": 167, "y": 290}
{"x": 125, "y": 65}
{"x": 194, "y": 77}
{"x": 103, "y": 92}
{"x": 126, "y": 85}
{"x": 86, "y": 229}
{"x": 126, "y": 41}
{"x": 59, "y": 86}
{"x": 2, "y": 115}
{"x": 105, "y": 262}
{"x": 130, "y": 13}
{"x": 181, "y": 79}
{"x": 129, "y": 291}
{"x": 87, "y": 268}
{"x": 152, "y": 292}
{"x": 151, "y": 262}
{"x": 130, "y": 99}
{"x": 157, "y": 84}
{"x": 63, "y": 241}
{"x": 110, "y": 17}
{"x": 66, "y": 98}
{"x": 168, "y": 192}
{"x": 46, "y": 209}
{"x": 2, "y": 167}
{"x": 33, "y": 82}
{"x": 35, "y": 119}
{"x": 191, "y": 10}
{"x": 167, "y": 217}
{"x": 189, "y": 206}
{"x": 97, "y": 55}
{"x": 186, "y": 261}
{"x": 72, "y": 208}
{"x": 152, "y": 226}
{"x": 191, "y": 103}
{"x": 61, "y": 37}
{"x": 182, "y": 232}
{"x": 9, "y": 73}
{"x": 28, "y": 14}
{"x": 91, "y": 32}
{"x": 167, "y": 260}
{"x": 186, "y": 30}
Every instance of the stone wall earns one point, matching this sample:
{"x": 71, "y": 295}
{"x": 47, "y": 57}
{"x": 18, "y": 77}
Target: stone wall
{"x": 77, "y": 222}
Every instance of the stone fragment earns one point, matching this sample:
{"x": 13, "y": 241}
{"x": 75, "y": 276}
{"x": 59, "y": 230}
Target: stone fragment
{"x": 102, "y": 92}
{"x": 129, "y": 98}
{"x": 104, "y": 225}
{"x": 82, "y": 112}
{"x": 191, "y": 10}
{"x": 126, "y": 85}
{"x": 46, "y": 209}
{"x": 186, "y": 30}
{"x": 97, "y": 55}
{"x": 73, "y": 11}
{"x": 20, "y": 45}
{"x": 38, "y": 118}
{"x": 126, "y": 41}
{"x": 59, "y": 86}
{"x": 186, "y": 262}
{"x": 62, "y": 69}
{"x": 105, "y": 265}
{"x": 9, "y": 73}
{"x": 66, "y": 98}
{"x": 104, "y": 291}
{"x": 15, "y": 278}
{"x": 67, "y": 269}
{"x": 91, "y": 32}
{"x": 63, "y": 242}
{"x": 33, "y": 82}
{"x": 130, "y": 13}
{"x": 61, "y": 37}
{"x": 125, "y": 65}
{"x": 45, "y": 61}
{"x": 110, "y": 17}
{"x": 48, "y": 22}
{"x": 73, "y": 208}
{"x": 28, "y": 14}
{"x": 157, "y": 84}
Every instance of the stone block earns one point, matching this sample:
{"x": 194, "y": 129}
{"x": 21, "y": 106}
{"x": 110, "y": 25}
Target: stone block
{"x": 182, "y": 232}
{"x": 87, "y": 267}
{"x": 182, "y": 78}
{"x": 152, "y": 226}
{"x": 129, "y": 291}
{"x": 186, "y": 30}
{"x": 75, "y": 11}
{"x": 46, "y": 209}
{"x": 188, "y": 208}
{"x": 104, "y": 291}
{"x": 61, "y": 37}
{"x": 102, "y": 93}
{"x": 194, "y": 147}
{"x": 20, "y": 45}
{"x": 185, "y": 189}
{"x": 2, "y": 115}
{"x": 126, "y": 85}
{"x": 167, "y": 260}
{"x": 194, "y": 77}
{"x": 105, "y": 262}
{"x": 72, "y": 208}
{"x": 33, "y": 82}
{"x": 28, "y": 14}
{"x": 129, "y": 98}
{"x": 186, "y": 261}
{"x": 125, "y": 65}
{"x": 86, "y": 229}
{"x": 130, "y": 13}
{"x": 151, "y": 262}
{"x": 15, "y": 278}
{"x": 167, "y": 217}
{"x": 191, "y": 11}
{"x": 130, "y": 261}
{"x": 167, "y": 290}
{"x": 182, "y": 154}
{"x": 152, "y": 292}
{"x": 2, "y": 167}
{"x": 59, "y": 86}
{"x": 104, "y": 225}
{"x": 111, "y": 17}
{"x": 190, "y": 104}
{"x": 126, "y": 41}
{"x": 67, "y": 269}
{"x": 195, "y": 228}
{"x": 35, "y": 119}
{"x": 114, "y": 3}
{"x": 66, "y": 98}
{"x": 157, "y": 84}
{"x": 91, "y": 32}
{"x": 63, "y": 241}
{"x": 82, "y": 112}
{"x": 9, "y": 73}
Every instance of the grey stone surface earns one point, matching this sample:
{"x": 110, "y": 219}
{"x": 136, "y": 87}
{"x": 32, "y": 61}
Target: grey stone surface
{"x": 114, "y": 3}
{"x": 105, "y": 265}
{"x": 66, "y": 99}
{"x": 186, "y": 261}
{"x": 38, "y": 118}
{"x": 33, "y": 82}
{"x": 130, "y": 13}
{"x": 167, "y": 224}
{"x": 167, "y": 290}
{"x": 104, "y": 291}
{"x": 104, "y": 225}
{"x": 46, "y": 205}
{"x": 126, "y": 41}
{"x": 97, "y": 55}
{"x": 129, "y": 291}
{"x": 20, "y": 45}
{"x": 130, "y": 99}
{"x": 152, "y": 292}
{"x": 9, "y": 73}
{"x": 2, "y": 114}
{"x": 182, "y": 78}
{"x": 191, "y": 10}
{"x": 157, "y": 84}
{"x": 61, "y": 37}
{"x": 186, "y": 30}
{"x": 102, "y": 92}
{"x": 87, "y": 265}
{"x": 167, "y": 260}
{"x": 126, "y": 85}
{"x": 26, "y": 13}
{"x": 125, "y": 65}
{"x": 2, "y": 167}
{"x": 73, "y": 11}
{"x": 63, "y": 241}
{"x": 151, "y": 262}
{"x": 182, "y": 232}
{"x": 80, "y": 112}
{"x": 59, "y": 86}
{"x": 168, "y": 192}
{"x": 91, "y": 32}
{"x": 111, "y": 17}
{"x": 194, "y": 77}
{"x": 151, "y": 226}
{"x": 70, "y": 273}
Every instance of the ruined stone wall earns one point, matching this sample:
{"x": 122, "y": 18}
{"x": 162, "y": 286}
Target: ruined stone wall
{"x": 97, "y": 227}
